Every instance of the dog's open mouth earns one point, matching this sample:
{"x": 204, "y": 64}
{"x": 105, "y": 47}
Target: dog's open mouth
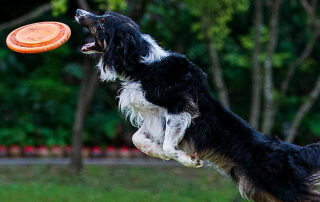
{"x": 90, "y": 47}
{"x": 88, "y": 20}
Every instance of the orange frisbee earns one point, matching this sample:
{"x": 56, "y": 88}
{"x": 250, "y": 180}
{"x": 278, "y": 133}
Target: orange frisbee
{"x": 38, "y": 37}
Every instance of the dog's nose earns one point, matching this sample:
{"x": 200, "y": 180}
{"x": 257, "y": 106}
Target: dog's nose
{"x": 84, "y": 17}
{"x": 80, "y": 13}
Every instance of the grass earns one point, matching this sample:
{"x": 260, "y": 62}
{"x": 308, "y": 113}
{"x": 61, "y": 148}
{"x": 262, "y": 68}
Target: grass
{"x": 114, "y": 184}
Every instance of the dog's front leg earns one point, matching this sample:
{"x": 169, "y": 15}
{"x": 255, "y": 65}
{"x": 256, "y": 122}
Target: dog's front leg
{"x": 142, "y": 141}
{"x": 176, "y": 125}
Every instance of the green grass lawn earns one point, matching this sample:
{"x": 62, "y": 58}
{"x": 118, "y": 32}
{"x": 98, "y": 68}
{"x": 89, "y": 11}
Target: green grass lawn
{"x": 123, "y": 184}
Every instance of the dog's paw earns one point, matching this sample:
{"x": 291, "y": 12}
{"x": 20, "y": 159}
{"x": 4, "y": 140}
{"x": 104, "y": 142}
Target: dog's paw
{"x": 199, "y": 161}
{"x": 194, "y": 164}
{"x": 190, "y": 161}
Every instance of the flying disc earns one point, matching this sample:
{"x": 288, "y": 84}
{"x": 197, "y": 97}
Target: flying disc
{"x": 38, "y": 37}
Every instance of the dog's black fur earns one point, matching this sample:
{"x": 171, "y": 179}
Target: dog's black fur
{"x": 264, "y": 167}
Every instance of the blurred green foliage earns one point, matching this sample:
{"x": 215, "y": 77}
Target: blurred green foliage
{"x": 38, "y": 93}
{"x": 113, "y": 5}
{"x": 214, "y": 17}
{"x": 59, "y": 7}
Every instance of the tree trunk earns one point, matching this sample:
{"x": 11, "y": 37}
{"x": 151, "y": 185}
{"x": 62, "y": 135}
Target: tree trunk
{"x": 315, "y": 28}
{"x": 303, "y": 110}
{"x": 267, "y": 124}
{"x": 88, "y": 86}
{"x": 217, "y": 76}
{"x": 82, "y": 108}
{"x": 256, "y": 72}
{"x": 309, "y": 9}
{"x": 87, "y": 89}
{"x": 305, "y": 54}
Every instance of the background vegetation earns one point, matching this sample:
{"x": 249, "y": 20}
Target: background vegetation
{"x": 251, "y": 51}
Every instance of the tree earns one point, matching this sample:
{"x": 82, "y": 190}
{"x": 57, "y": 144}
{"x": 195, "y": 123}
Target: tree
{"x": 314, "y": 94}
{"x": 214, "y": 16}
{"x": 303, "y": 110}
{"x": 256, "y": 70}
{"x": 267, "y": 123}
{"x": 270, "y": 111}
{"x": 88, "y": 86}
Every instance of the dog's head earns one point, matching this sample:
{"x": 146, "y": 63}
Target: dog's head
{"x": 104, "y": 28}
{"x": 117, "y": 37}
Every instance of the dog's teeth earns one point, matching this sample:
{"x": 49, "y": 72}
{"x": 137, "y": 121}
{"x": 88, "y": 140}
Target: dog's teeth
{"x": 87, "y": 47}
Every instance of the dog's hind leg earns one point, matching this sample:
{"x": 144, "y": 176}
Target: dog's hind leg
{"x": 176, "y": 124}
{"x": 141, "y": 139}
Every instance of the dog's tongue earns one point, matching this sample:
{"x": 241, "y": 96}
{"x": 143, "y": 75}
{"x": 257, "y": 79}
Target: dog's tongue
{"x": 87, "y": 47}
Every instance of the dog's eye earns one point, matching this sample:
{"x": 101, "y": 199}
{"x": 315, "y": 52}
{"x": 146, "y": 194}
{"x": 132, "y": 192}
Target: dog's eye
{"x": 103, "y": 20}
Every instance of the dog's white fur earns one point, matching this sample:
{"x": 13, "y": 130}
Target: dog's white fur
{"x": 156, "y": 52}
{"x": 106, "y": 73}
{"x": 159, "y": 132}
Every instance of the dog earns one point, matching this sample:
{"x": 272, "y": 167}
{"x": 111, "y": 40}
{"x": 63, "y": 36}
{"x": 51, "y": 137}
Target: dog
{"x": 167, "y": 98}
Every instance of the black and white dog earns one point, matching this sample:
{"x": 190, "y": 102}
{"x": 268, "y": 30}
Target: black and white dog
{"x": 166, "y": 96}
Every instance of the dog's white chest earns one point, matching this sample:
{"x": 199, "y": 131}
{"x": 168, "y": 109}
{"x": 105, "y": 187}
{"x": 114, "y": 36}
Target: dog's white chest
{"x": 133, "y": 104}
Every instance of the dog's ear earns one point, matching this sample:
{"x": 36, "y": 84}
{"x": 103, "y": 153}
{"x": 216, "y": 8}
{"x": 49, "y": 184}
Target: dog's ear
{"x": 116, "y": 51}
{"x": 124, "y": 51}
